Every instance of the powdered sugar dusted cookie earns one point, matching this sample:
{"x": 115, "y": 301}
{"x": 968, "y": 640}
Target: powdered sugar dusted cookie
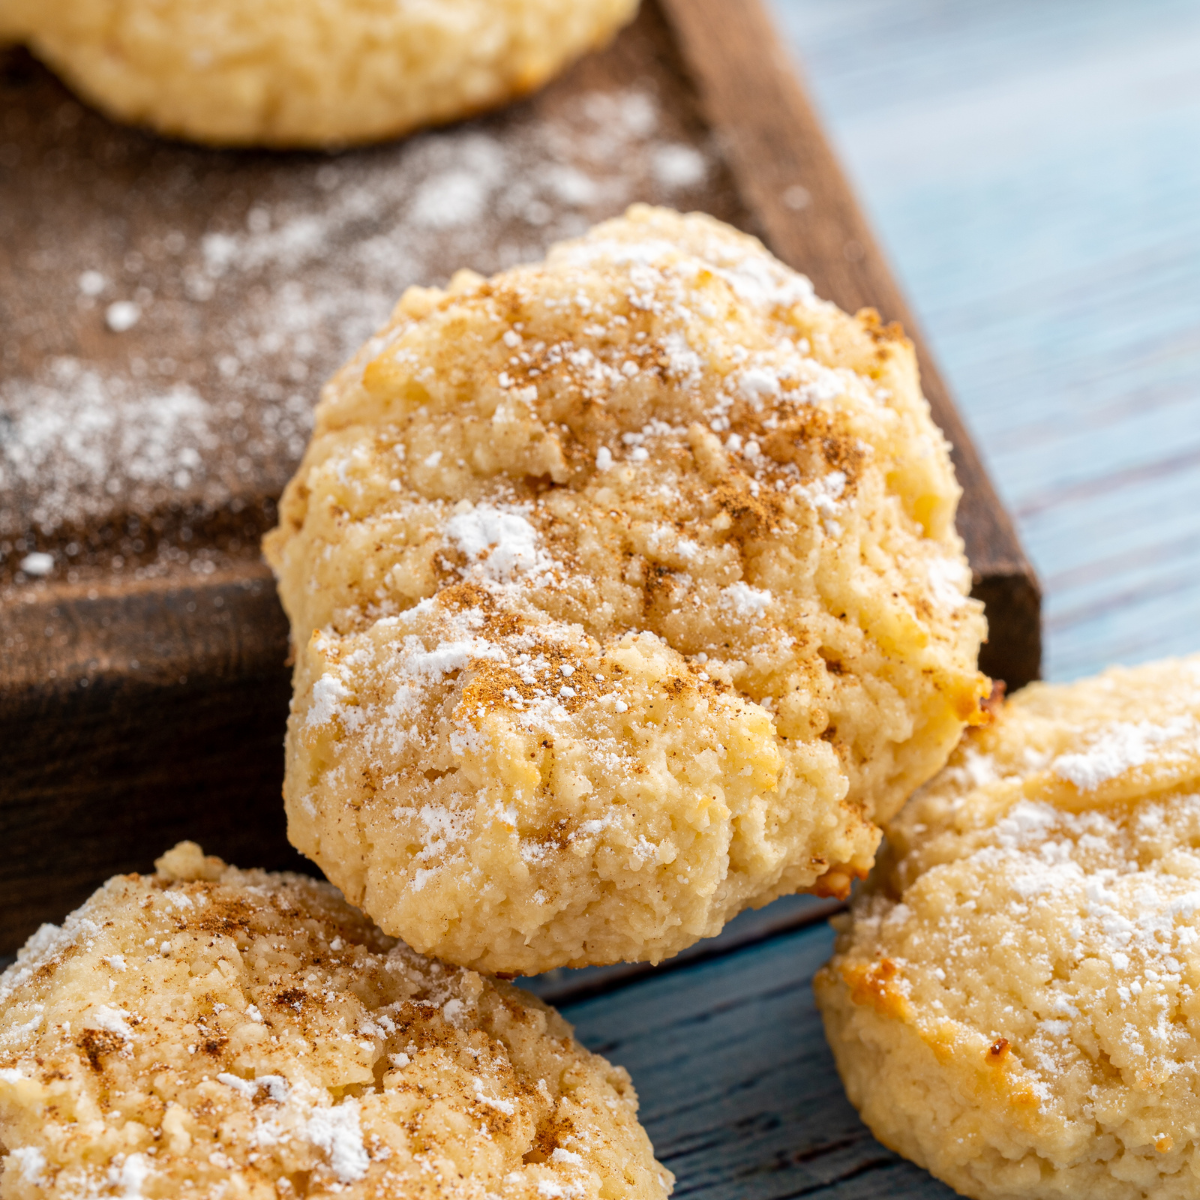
{"x": 213, "y": 1032}
{"x": 625, "y": 593}
{"x": 305, "y": 72}
{"x": 1015, "y": 1004}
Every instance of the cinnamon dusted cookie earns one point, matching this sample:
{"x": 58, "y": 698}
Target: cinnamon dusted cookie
{"x": 1015, "y": 1003}
{"x": 625, "y": 594}
{"x": 207, "y": 1031}
{"x": 305, "y": 72}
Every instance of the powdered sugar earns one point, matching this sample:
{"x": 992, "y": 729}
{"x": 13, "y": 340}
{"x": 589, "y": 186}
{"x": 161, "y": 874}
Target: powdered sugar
{"x": 259, "y": 304}
{"x": 329, "y": 695}
{"x": 949, "y": 582}
{"x": 825, "y": 495}
{"x": 32, "y": 1162}
{"x": 767, "y": 285}
{"x": 505, "y": 1106}
{"x": 130, "y": 1176}
{"x": 111, "y": 1020}
{"x": 499, "y": 544}
{"x": 1120, "y": 748}
{"x": 338, "y": 1132}
{"x": 1076, "y": 904}
{"x": 758, "y": 384}
{"x": 679, "y": 166}
{"x": 244, "y": 1087}
{"x": 747, "y": 601}
{"x": 115, "y": 434}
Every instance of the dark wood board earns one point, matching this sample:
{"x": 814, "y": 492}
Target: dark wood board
{"x": 142, "y": 687}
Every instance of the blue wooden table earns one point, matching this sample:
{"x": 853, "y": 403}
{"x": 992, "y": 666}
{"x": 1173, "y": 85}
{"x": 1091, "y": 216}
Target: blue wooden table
{"x": 1033, "y": 169}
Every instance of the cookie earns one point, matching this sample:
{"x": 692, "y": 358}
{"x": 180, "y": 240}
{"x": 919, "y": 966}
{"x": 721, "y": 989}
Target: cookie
{"x": 305, "y": 72}
{"x": 206, "y": 1031}
{"x": 625, "y": 594}
{"x": 1013, "y": 1004}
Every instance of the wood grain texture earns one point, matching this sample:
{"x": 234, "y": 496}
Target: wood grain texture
{"x": 750, "y": 928}
{"x": 121, "y": 754}
{"x": 795, "y": 186}
{"x": 1035, "y": 171}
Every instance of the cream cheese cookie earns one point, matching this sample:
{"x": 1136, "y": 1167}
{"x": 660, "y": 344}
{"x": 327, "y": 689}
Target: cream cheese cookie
{"x": 625, "y": 594}
{"x": 305, "y": 72}
{"x": 207, "y": 1031}
{"x": 1015, "y": 1002}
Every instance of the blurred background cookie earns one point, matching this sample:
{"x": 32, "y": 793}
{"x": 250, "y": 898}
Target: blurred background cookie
{"x": 208, "y": 1031}
{"x": 1013, "y": 1004}
{"x": 625, "y": 594}
{"x": 305, "y": 72}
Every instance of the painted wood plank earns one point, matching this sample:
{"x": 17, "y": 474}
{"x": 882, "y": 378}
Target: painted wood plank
{"x": 738, "y": 1089}
{"x": 1035, "y": 172}
{"x": 785, "y": 915}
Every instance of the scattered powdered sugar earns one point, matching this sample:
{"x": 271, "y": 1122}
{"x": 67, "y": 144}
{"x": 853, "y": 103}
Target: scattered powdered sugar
{"x": 746, "y": 601}
{"x": 505, "y": 1106}
{"x": 976, "y": 769}
{"x": 825, "y": 495}
{"x": 767, "y": 284}
{"x": 338, "y": 1132}
{"x": 37, "y": 563}
{"x": 244, "y": 1087}
{"x": 32, "y": 1163}
{"x": 678, "y": 166}
{"x": 111, "y": 1020}
{"x": 442, "y": 828}
{"x": 45, "y": 944}
{"x": 130, "y": 1176}
{"x": 456, "y": 197}
{"x": 329, "y": 695}
{"x": 683, "y": 363}
{"x": 499, "y": 544}
{"x": 559, "y": 1191}
{"x": 1109, "y": 885}
{"x": 219, "y": 335}
{"x": 276, "y": 1087}
{"x": 949, "y": 581}
{"x": 116, "y": 436}
{"x": 122, "y": 315}
{"x": 758, "y": 384}
{"x": 17, "y": 1033}
{"x": 1120, "y": 748}
{"x": 1025, "y": 825}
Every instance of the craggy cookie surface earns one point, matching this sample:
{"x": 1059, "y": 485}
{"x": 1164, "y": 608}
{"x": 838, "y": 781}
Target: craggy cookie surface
{"x": 1015, "y": 1004}
{"x": 625, "y": 594}
{"x": 305, "y": 72}
{"x": 214, "y": 1032}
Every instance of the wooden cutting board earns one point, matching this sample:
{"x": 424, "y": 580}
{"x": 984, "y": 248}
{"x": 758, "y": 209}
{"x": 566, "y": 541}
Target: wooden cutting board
{"x": 169, "y": 314}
